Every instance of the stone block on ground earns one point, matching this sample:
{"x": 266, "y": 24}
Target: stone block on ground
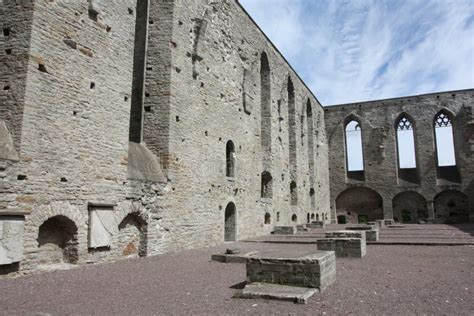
{"x": 381, "y": 223}
{"x": 347, "y": 234}
{"x": 279, "y": 292}
{"x": 232, "y": 258}
{"x": 371, "y": 232}
{"x": 344, "y": 247}
{"x": 312, "y": 269}
{"x": 284, "y": 230}
{"x": 388, "y": 222}
{"x": 315, "y": 224}
{"x": 302, "y": 228}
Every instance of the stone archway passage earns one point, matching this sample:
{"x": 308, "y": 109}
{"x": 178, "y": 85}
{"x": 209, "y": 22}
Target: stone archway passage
{"x": 57, "y": 241}
{"x": 409, "y": 207}
{"x": 230, "y": 223}
{"x": 132, "y": 237}
{"x": 451, "y": 207}
{"x": 359, "y": 203}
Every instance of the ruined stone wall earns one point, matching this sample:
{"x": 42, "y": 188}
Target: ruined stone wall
{"x": 377, "y": 120}
{"x": 215, "y": 97}
{"x": 78, "y": 176}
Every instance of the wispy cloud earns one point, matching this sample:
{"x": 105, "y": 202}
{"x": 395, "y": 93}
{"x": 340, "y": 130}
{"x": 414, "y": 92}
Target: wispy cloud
{"x": 358, "y": 50}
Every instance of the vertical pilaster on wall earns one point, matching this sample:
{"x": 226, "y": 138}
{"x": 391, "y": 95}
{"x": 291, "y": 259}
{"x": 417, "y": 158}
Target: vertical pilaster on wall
{"x": 309, "y": 123}
{"x": 387, "y": 208}
{"x": 266, "y": 112}
{"x": 156, "y": 104}
{"x": 430, "y": 207}
{"x": 16, "y": 20}
{"x": 139, "y": 64}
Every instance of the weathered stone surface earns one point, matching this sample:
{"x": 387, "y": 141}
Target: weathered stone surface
{"x": 7, "y": 148}
{"x": 371, "y": 233}
{"x": 348, "y": 234}
{"x": 314, "y": 269}
{"x": 143, "y": 164}
{"x": 102, "y": 226}
{"x": 285, "y": 230}
{"x": 316, "y": 224}
{"x": 344, "y": 247}
{"x": 11, "y": 239}
{"x": 296, "y": 294}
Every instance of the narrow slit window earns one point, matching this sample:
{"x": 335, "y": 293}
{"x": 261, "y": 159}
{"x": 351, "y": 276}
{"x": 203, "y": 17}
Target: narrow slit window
{"x": 406, "y": 144}
{"x": 230, "y": 159}
{"x": 444, "y": 140}
{"x": 354, "y": 156}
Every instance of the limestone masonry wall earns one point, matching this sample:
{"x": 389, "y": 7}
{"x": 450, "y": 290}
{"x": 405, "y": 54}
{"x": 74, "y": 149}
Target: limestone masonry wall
{"x": 383, "y": 190}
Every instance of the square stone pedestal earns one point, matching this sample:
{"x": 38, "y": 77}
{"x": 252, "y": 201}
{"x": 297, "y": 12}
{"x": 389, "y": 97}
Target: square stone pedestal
{"x": 371, "y": 232}
{"x": 311, "y": 269}
{"x": 284, "y": 230}
{"x": 344, "y": 247}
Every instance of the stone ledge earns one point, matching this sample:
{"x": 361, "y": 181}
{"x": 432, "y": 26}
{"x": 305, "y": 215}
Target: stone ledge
{"x": 13, "y": 212}
{"x": 298, "y": 295}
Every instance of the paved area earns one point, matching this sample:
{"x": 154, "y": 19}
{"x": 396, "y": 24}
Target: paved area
{"x": 389, "y": 280}
{"x": 410, "y": 234}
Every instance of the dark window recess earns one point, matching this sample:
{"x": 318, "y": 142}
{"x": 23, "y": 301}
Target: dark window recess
{"x": 6, "y": 31}
{"x": 93, "y": 15}
{"x": 22, "y": 177}
{"x": 63, "y": 179}
{"x": 8, "y": 51}
{"x": 147, "y": 108}
{"x": 92, "y": 86}
{"x": 42, "y": 68}
{"x": 6, "y": 88}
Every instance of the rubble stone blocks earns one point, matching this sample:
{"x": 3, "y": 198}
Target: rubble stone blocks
{"x": 11, "y": 239}
{"x": 311, "y": 269}
{"x": 371, "y": 232}
{"x": 344, "y": 247}
{"x": 284, "y": 230}
{"x": 302, "y": 228}
{"x": 315, "y": 224}
{"x": 279, "y": 292}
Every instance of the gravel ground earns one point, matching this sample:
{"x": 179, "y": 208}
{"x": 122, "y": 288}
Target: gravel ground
{"x": 390, "y": 280}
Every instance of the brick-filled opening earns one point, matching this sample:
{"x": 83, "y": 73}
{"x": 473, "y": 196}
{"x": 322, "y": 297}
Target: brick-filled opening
{"x": 57, "y": 241}
{"x": 132, "y": 236}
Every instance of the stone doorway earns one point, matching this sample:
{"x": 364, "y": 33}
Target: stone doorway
{"x": 230, "y": 223}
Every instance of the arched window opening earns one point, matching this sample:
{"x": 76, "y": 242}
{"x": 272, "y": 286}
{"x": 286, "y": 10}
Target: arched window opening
{"x": 444, "y": 140}
{"x": 266, "y": 185}
{"x": 57, "y": 241}
{"x": 312, "y": 198}
{"x": 293, "y": 193}
{"x": 230, "y": 159}
{"x": 354, "y": 153}
{"x": 406, "y": 143}
{"x": 308, "y": 218}
{"x": 266, "y": 113}
{"x": 278, "y": 216}
{"x": 309, "y": 123}
{"x": 268, "y": 218}
{"x": 132, "y": 236}
{"x": 312, "y": 216}
{"x": 292, "y": 130}
{"x": 294, "y": 218}
{"x": 230, "y": 223}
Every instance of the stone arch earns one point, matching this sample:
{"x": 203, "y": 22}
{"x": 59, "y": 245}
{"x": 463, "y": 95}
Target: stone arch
{"x": 266, "y": 188}
{"x": 230, "y": 159}
{"x": 409, "y": 207}
{"x": 451, "y": 206}
{"x": 58, "y": 241}
{"x": 353, "y": 144}
{"x": 132, "y": 236}
{"x": 230, "y": 222}
{"x": 359, "y": 204}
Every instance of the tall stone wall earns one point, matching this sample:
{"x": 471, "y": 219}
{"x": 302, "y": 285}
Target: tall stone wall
{"x": 216, "y": 97}
{"x": 377, "y": 120}
{"x": 122, "y": 146}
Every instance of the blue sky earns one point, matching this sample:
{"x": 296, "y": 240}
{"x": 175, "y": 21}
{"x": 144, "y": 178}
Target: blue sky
{"x": 357, "y": 50}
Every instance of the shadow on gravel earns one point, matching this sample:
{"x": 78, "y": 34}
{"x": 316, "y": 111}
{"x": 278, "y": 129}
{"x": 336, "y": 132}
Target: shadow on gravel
{"x": 239, "y": 286}
{"x": 468, "y": 228}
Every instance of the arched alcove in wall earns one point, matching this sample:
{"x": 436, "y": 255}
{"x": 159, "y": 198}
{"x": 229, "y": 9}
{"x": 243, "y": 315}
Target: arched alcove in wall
{"x": 359, "y": 205}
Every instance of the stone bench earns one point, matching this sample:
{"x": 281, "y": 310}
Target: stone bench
{"x": 344, "y": 247}
{"x": 371, "y": 232}
{"x": 311, "y": 269}
{"x": 315, "y": 224}
{"x": 284, "y": 230}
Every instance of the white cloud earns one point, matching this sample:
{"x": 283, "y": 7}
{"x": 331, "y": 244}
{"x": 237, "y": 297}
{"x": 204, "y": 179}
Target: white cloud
{"x": 349, "y": 51}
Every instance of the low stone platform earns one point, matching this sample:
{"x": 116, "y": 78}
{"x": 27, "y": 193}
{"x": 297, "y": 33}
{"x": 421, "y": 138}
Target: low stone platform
{"x": 232, "y": 258}
{"x": 371, "y": 232}
{"x": 284, "y": 230}
{"x": 315, "y": 224}
{"x": 344, "y": 247}
{"x": 347, "y": 234}
{"x": 302, "y": 229}
{"x": 279, "y": 292}
{"x": 312, "y": 269}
